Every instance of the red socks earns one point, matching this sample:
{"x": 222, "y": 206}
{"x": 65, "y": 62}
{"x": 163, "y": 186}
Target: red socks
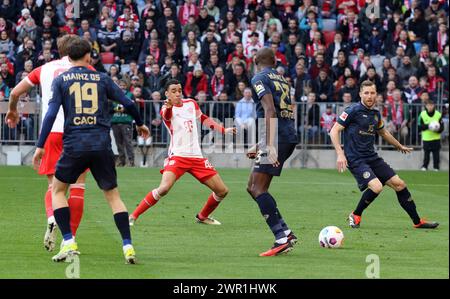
{"x": 210, "y": 206}
{"x": 76, "y": 205}
{"x": 48, "y": 202}
{"x": 149, "y": 200}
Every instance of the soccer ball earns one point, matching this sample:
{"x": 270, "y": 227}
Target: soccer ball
{"x": 434, "y": 126}
{"x": 331, "y": 237}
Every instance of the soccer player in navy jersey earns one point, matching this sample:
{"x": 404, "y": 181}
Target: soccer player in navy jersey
{"x": 276, "y": 143}
{"x": 360, "y": 124}
{"x": 84, "y": 95}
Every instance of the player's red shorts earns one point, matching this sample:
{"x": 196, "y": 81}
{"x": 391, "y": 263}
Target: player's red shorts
{"x": 53, "y": 148}
{"x": 200, "y": 168}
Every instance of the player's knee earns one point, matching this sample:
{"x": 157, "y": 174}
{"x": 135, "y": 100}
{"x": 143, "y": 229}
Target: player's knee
{"x": 222, "y": 193}
{"x": 399, "y": 185}
{"x": 376, "y": 186}
{"x": 255, "y": 191}
{"x": 163, "y": 190}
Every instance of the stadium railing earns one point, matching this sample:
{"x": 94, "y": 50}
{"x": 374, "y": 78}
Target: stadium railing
{"x": 313, "y": 134}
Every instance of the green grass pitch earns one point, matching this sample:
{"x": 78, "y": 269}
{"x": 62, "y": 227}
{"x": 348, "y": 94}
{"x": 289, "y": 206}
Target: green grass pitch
{"x": 170, "y": 245}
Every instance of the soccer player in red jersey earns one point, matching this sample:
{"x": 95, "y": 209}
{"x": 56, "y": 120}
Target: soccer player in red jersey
{"x": 181, "y": 117}
{"x": 44, "y": 76}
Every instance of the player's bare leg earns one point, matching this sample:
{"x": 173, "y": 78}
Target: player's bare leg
{"x": 51, "y": 230}
{"x": 374, "y": 188}
{"x": 121, "y": 219}
{"x": 258, "y": 187}
{"x": 220, "y": 190}
{"x": 62, "y": 216}
{"x": 167, "y": 181}
{"x": 407, "y": 203}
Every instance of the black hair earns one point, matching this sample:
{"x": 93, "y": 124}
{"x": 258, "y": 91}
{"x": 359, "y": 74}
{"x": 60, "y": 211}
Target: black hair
{"x": 171, "y": 82}
{"x": 78, "y": 48}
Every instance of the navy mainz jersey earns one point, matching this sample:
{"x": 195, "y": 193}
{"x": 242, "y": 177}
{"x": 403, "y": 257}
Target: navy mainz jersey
{"x": 361, "y": 125}
{"x": 270, "y": 81}
{"x": 84, "y": 96}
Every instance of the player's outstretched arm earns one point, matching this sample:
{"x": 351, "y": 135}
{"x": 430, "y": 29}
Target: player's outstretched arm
{"x": 335, "y": 136}
{"x": 392, "y": 141}
{"x": 12, "y": 116}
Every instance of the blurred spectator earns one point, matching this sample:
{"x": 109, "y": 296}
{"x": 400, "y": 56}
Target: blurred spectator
{"x": 397, "y": 60}
{"x": 224, "y": 109}
{"x": 48, "y": 31}
{"x": 85, "y": 27}
{"x": 397, "y": 116}
{"x": 6, "y": 76}
{"x": 7, "y": 10}
{"x": 94, "y": 44}
{"x": 114, "y": 71}
{"x": 196, "y": 81}
{"x": 418, "y": 26}
{"x": 6, "y": 45}
{"x": 108, "y": 36}
{"x": 191, "y": 41}
{"x": 319, "y": 63}
{"x": 406, "y": 70}
{"x": 28, "y": 29}
{"x": 323, "y": 87}
{"x": 174, "y": 73}
{"x": 69, "y": 27}
{"x": 125, "y": 17}
{"x": 434, "y": 81}
{"x": 127, "y": 48}
{"x": 327, "y": 121}
{"x": 351, "y": 88}
{"x": 96, "y": 62}
{"x": 186, "y": 10}
{"x": 218, "y": 84}
{"x": 4, "y": 90}
{"x": 213, "y": 10}
{"x": 191, "y": 26}
{"x": 245, "y": 115}
{"x": 439, "y": 39}
{"x": 64, "y": 11}
{"x": 89, "y": 10}
{"x": 25, "y": 15}
{"x": 154, "y": 80}
{"x": 121, "y": 124}
{"x": 313, "y": 118}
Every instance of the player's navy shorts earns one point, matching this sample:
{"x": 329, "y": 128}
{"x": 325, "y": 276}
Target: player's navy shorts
{"x": 101, "y": 163}
{"x": 285, "y": 150}
{"x": 365, "y": 171}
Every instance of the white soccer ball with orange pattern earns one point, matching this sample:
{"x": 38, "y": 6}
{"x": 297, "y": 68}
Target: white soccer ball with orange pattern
{"x": 331, "y": 237}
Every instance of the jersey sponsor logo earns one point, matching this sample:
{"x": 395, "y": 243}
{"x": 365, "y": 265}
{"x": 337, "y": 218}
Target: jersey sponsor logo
{"x": 84, "y": 120}
{"x": 366, "y": 175}
{"x": 259, "y": 87}
{"x": 343, "y": 116}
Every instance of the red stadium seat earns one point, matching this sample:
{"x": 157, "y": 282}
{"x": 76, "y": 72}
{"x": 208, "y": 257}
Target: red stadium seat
{"x": 107, "y": 57}
{"x": 328, "y": 37}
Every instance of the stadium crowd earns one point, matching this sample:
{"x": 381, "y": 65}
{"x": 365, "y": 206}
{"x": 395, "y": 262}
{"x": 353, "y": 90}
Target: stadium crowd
{"x": 324, "y": 48}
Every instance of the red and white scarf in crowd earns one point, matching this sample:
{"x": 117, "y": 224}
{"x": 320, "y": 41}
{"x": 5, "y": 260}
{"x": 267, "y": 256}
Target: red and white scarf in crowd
{"x": 396, "y": 111}
{"x": 441, "y": 42}
{"x": 217, "y": 85}
{"x": 187, "y": 10}
{"x": 154, "y": 52}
